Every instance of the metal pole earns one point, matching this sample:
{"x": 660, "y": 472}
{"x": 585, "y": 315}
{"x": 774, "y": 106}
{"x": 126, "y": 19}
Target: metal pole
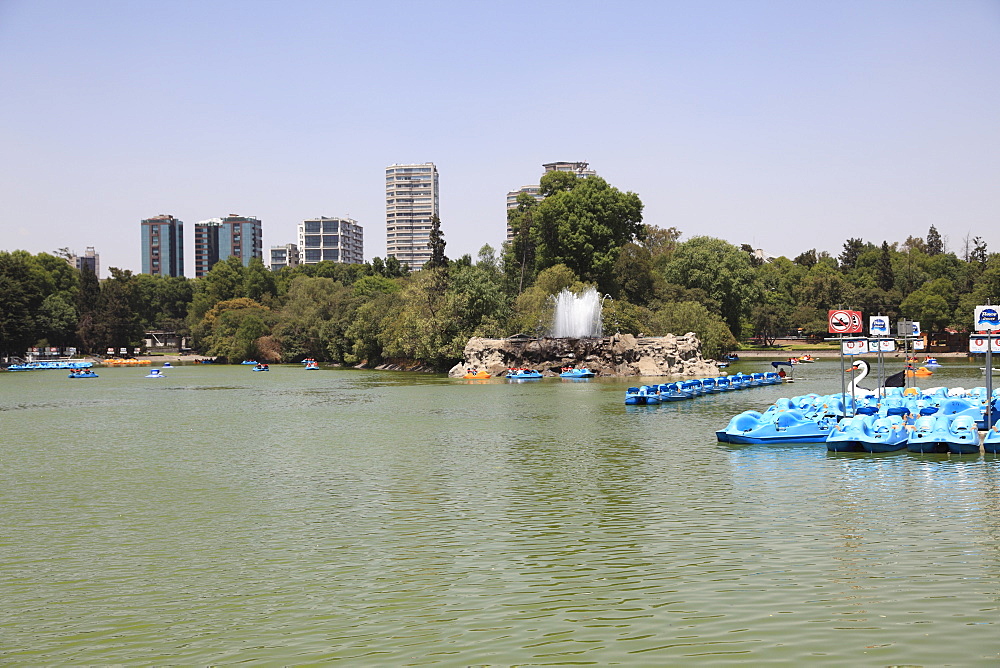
{"x": 843, "y": 379}
{"x": 989, "y": 376}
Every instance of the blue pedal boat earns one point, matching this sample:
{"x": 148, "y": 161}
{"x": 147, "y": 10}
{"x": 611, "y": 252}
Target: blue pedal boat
{"x": 786, "y": 427}
{"x": 523, "y": 374}
{"x": 577, "y": 373}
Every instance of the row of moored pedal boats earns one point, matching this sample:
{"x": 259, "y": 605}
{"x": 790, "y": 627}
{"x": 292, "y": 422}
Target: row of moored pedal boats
{"x": 936, "y": 420}
{"x": 651, "y": 395}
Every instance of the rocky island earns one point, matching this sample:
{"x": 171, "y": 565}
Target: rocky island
{"x": 618, "y": 355}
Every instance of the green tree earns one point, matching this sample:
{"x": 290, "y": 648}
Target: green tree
{"x": 849, "y": 256}
{"x": 684, "y": 317}
{"x": 634, "y": 274}
{"x": 258, "y": 281}
{"x": 722, "y": 270}
{"x": 21, "y": 291}
{"x": 935, "y": 245}
{"x": 885, "y": 278}
{"x": 436, "y": 246}
{"x": 807, "y": 259}
{"x": 582, "y": 224}
{"x": 519, "y": 258}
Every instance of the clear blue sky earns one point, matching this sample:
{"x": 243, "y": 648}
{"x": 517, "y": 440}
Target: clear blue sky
{"x": 786, "y": 125}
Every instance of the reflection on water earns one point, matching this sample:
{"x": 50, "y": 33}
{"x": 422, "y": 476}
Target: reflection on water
{"x": 388, "y": 519}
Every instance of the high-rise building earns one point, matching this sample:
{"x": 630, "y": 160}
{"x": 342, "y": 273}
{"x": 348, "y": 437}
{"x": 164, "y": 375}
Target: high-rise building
{"x": 411, "y": 200}
{"x": 331, "y": 240}
{"x": 221, "y": 238}
{"x": 581, "y": 169}
{"x": 162, "y": 246}
{"x": 91, "y": 260}
{"x": 284, "y": 256}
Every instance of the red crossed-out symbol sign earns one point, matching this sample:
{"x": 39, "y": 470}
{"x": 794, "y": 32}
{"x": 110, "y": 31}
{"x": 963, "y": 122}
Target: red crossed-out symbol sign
{"x": 844, "y": 322}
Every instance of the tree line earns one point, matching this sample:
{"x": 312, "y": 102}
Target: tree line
{"x": 583, "y": 233}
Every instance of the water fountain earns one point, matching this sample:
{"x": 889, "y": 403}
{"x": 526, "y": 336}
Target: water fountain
{"x": 577, "y": 316}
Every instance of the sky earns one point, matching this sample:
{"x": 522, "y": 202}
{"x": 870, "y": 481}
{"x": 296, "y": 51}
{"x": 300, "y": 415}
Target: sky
{"x": 784, "y": 125}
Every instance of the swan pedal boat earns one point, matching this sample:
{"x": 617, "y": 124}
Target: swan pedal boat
{"x": 154, "y": 373}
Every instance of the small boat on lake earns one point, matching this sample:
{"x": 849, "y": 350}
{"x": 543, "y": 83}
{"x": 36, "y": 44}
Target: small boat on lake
{"x": 523, "y": 374}
{"x": 82, "y": 373}
{"x": 312, "y": 365}
{"x": 261, "y": 367}
{"x": 476, "y": 374}
{"x": 249, "y": 362}
{"x": 50, "y": 364}
{"x": 155, "y": 373}
{"x": 576, "y": 373}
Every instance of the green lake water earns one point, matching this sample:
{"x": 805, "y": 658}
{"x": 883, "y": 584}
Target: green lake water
{"x": 222, "y": 516}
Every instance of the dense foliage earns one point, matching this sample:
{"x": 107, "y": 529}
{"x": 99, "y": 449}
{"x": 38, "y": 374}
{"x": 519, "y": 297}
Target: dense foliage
{"x": 585, "y": 233}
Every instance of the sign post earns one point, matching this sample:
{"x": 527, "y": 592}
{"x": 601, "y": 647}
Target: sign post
{"x": 878, "y": 326}
{"x": 844, "y": 322}
{"x": 988, "y": 320}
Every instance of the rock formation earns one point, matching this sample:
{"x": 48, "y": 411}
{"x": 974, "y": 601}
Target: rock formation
{"x": 618, "y": 355}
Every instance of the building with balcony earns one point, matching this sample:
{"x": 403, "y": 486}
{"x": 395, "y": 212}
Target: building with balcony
{"x": 221, "y": 238}
{"x": 331, "y": 240}
{"x": 162, "y": 239}
{"x": 411, "y": 200}
{"x": 284, "y": 256}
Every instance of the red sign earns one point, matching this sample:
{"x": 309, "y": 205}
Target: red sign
{"x": 845, "y": 322}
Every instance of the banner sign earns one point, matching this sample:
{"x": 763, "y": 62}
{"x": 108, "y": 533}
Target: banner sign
{"x": 883, "y": 345}
{"x": 845, "y": 322}
{"x": 918, "y": 344}
{"x": 978, "y": 343}
{"x": 987, "y": 319}
{"x": 855, "y": 346}
{"x": 878, "y": 325}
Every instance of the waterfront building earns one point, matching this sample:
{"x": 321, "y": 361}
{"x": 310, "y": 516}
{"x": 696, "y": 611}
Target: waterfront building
{"x": 581, "y": 169}
{"x": 331, "y": 240}
{"x": 221, "y": 238}
{"x": 411, "y": 200}
{"x": 284, "y": 256}
{"x": 162, "y": 240}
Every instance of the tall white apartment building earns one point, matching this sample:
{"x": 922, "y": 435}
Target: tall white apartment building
{"x": 411, "y": 200}
{"x": 331, "y": 240}
{"x": 581, "y": 169}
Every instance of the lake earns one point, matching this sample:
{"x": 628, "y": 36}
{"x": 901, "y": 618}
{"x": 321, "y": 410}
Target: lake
{"x": 222, "y": 516}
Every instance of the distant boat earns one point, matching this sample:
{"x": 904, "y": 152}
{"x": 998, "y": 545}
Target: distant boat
{"x": 524, "y": 374}
{"x": 50, "y": 364}
{"x": 576, "y": 373}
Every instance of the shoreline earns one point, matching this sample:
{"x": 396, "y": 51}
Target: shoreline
{"x": 832, "y": 354}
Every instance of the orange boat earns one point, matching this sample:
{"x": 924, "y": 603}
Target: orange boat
{"x": 473, "y": 373}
